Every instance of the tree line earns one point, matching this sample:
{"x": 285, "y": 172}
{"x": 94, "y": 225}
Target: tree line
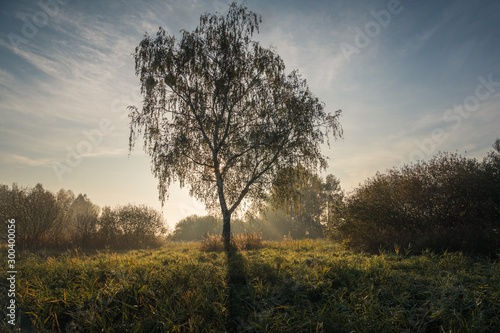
{"x": 62, "y": 220}
{"x": 448, "y": 203}
{"x": 221, "y": 115}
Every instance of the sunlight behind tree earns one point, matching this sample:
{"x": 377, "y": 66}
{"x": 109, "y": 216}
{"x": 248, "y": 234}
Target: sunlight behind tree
{"x": 221, "y": 115}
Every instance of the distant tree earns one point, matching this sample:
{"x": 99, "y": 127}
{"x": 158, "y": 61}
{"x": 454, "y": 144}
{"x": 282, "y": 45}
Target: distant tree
{"x": 64, "y": 199}
{"x": 41, "y": 216}
{"x": 10, "y": 206}
{"x": 109, "y": 230}
{"x": 39, "y": 211}
{"x": 140, "y": 224}
{"x": 84, "y": 219}
{"x": 220, "y": 114}
{"x": 334, "y": 197}
{"x": 492, "y": 162}
{"x": 308, "y": 201}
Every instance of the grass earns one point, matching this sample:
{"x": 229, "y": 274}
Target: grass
{"x": 247, "y": 241}
{"x": 294, "y": 286}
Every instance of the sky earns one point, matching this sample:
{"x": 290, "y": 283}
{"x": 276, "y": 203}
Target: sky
{"x": 412, "y": 78}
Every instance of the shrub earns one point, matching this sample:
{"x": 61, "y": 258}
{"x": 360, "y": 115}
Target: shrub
{"x": 37, "y": 213}
{"x": 246, "y": 241}
{"x": 212, "y": 243}
{"x": 139, "y": 224}
{"x": 447, "y": 203}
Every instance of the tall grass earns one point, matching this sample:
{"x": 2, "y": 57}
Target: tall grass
{"x": 292, "y": 286}
{"x": 246, "y": 241}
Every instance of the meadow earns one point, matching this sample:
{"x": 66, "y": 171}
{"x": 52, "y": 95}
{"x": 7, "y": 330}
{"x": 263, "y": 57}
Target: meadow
{"x": 289, "y": 286}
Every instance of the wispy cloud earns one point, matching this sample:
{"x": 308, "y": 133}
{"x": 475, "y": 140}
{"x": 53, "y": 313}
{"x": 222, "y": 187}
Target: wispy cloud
{"x": 458, "y": 57}
{"x": 418, "y": 41}
{"x": 6, "y": 79}
{"x": 107, "y": 153}
{"x": 24, "y": 160}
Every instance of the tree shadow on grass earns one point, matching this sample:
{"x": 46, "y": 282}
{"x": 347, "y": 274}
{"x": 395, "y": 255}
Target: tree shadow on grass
{"x": 240, "y": 305}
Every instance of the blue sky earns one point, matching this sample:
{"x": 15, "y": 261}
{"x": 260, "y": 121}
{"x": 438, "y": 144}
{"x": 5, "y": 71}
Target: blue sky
{"x": 412, "y": 77}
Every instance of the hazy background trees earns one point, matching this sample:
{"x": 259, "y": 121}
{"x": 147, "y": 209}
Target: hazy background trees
{"x": 59, "y": 220}
{"x": 301, "y": 207}
{"x": 447, "y": 203}
{"x": 35, "y": 210}
{"x": 302, "y": 202}
{"x": 63, "y": 220}
{"x": 196, "y": 227}
{"x": 84, "y": 220}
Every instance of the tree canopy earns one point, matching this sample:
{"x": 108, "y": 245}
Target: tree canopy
{"x": 220, "y": 113}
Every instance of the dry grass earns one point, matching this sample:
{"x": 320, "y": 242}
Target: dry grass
{"x": 293, "y": 286}
{"x": 246, "y": 241}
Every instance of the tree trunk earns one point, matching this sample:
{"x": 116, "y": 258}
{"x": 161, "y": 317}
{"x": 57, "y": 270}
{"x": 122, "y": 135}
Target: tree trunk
{"x": 226, "y": 230}
{"x": 226, "y": 213}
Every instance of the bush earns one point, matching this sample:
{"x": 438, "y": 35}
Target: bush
{"x": 45, "y": 220}
{"x": 212, "y": 243}
{"x": 37, "y": 212}
{"x": 246, "y": 241}
{"x": 139, "y": 225}
{"x": 448, "y": 203}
